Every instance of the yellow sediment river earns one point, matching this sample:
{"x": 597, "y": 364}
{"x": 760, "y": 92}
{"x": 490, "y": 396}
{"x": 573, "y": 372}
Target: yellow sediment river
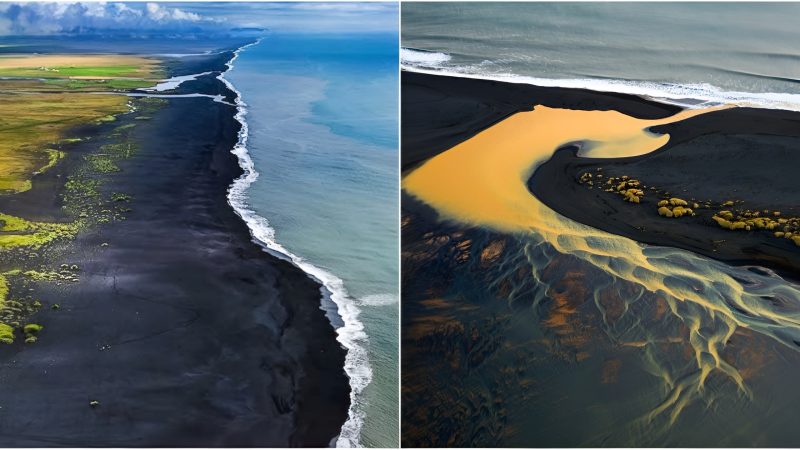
{"x": 483, "y": 182}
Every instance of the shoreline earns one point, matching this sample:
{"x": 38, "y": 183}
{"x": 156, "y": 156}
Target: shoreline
{"x": 340, "y": 308}
{"x": 683, "y": 95}
{"x": 169, "y": 308}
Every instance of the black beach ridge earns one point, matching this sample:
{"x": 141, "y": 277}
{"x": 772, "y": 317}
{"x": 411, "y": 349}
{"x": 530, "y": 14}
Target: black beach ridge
{"x": 745, "y": 155}
{"x": 183, "y": 329}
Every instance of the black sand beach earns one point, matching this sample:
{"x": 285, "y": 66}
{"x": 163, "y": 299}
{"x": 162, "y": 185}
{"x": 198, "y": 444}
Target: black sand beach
{"x": 183, "y": 329}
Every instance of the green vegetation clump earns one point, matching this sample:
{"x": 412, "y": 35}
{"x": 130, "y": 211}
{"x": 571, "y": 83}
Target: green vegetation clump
{"x": 6, "y": 334}
{"x": 747, "y": 220}
{"x": 675, "y": 207}
{"x": 64, "y": 275}
{"x": 629, "y": 189}
{"x": 102, "y": 163}
{"x": 53, "y": 157}
{"x": 11, "y": 224}
{"x": 18, "y": 232}
{"x": 79, "y": 187}
{"x": 32, "y": 328}
{"x": 104, "y": 119}
{"x": 119, "y": 197}
{"x": 31, "y": 331}
{"x": 727, "y": 216}
{"x": 12, "y": 314}
{"x": 152, "y": 103}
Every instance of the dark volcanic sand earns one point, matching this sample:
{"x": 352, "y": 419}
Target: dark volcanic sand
{"x": 183, "y": 328}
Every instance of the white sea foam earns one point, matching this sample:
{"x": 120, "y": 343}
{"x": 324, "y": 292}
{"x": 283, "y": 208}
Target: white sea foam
{"x": 174, "y": 82}
{"x": 351, "y": 335}
{"x": 422, "y": 58}
{"x": 687, "y": 95}
{"x": 378, "y": 300}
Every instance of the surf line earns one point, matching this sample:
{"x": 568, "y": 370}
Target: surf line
{"x": 685, "y": 95}
{"x": 351, "y": 334}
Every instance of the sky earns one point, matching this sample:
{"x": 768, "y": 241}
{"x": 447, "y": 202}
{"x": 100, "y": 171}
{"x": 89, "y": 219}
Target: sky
{"x": 76, "y": 18}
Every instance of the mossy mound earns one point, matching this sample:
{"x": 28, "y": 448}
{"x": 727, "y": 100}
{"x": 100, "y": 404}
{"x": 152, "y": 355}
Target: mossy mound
{"x": 727, "y": 216}
{"x": 629, "y": 189}
{"x": 6, "y": 334}
{"x": 753, "y": 220}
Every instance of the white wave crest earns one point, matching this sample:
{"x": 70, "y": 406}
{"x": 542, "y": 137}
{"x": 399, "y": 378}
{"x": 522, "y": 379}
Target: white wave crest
{"x": 351, "y": 335}
{"x": 690, "y": 95}
{"x": 422, "y": 58}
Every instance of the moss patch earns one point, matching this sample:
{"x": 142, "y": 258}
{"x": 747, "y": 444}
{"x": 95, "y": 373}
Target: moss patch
{"x": 102, "y": 163}
{"x": 6, "y": 334}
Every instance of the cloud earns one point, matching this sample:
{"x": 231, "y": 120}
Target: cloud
{"x": 307, "y": 17}
{"x": 85, "y": 18}
{"x": 200, "y": 18}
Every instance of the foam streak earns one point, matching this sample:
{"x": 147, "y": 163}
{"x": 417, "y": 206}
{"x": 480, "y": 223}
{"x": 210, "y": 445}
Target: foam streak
{"x": 699, "y": 95}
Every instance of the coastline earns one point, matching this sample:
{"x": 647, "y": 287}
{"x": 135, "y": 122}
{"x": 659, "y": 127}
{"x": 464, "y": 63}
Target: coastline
{"x": 340, "y": 308}
{"x": 144, "y": 330}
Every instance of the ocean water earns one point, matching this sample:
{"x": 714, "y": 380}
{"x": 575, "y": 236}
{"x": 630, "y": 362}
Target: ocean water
{"x": 321, "y": 115}
{"x": 745, "y": 53}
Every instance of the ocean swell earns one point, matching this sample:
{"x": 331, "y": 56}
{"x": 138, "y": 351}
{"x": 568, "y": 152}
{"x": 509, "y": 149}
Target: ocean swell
{"x": 690, "y": 95}
{"x": 351, "y": 334}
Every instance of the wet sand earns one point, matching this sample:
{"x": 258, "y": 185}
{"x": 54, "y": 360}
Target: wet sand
{"x": 183, "y": 329}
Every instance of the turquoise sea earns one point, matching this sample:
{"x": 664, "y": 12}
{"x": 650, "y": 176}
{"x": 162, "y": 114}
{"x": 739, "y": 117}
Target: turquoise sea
{"x": 321, "y": 114}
